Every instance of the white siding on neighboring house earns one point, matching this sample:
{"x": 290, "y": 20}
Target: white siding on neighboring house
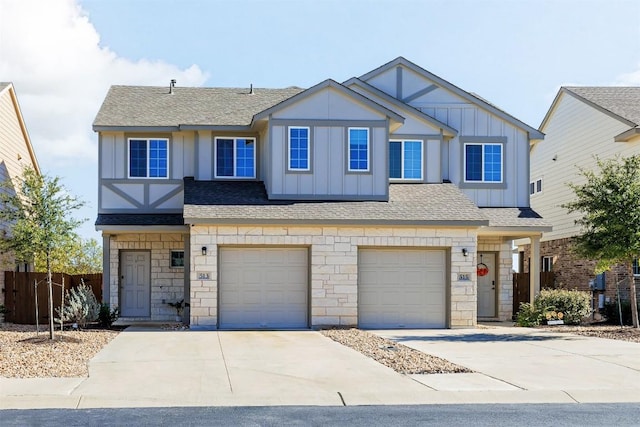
{"x": 15, "y": 155}
{"x": 14, "y": 152}
{"x": 575, "y": 133}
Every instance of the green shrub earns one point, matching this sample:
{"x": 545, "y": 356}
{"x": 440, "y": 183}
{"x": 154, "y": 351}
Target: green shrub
{"x": 81, "y": 306}
{"x": 570, "y": 306}
{"x": 612, "y": 313}
{"x": 573, "y": 304}
{"x": 528, "y": 316}
{"x": 106, "y": 317}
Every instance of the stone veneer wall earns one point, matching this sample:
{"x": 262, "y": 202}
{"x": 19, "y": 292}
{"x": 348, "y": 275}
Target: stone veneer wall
{"x": 166, "y": 283}
{"x": 504, "y": 277}
{"x": 334, "y": 266}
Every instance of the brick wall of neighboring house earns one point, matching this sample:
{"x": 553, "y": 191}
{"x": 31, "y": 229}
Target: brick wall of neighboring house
{"x": 574, "y": 272}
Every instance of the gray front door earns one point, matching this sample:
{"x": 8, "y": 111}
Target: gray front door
{"x": 487, "y": 284}
{"x": 135, "y": 284}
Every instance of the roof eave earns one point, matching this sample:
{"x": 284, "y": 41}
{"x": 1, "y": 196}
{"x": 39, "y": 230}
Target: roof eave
{"x": 627, "y": 135}
{"x": 332, "y": 222}
{"x": 515, "y": 231}
{"x": 120, "y": 229}
{"x": 107, "y": 128}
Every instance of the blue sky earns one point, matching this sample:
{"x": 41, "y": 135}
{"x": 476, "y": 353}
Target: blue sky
{"x": 516, "y": 54}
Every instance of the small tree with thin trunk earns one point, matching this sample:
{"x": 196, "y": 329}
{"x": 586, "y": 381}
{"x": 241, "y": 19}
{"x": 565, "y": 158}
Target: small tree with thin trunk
{"x": 37, "y": 209}
{"x": 610, "y": 204}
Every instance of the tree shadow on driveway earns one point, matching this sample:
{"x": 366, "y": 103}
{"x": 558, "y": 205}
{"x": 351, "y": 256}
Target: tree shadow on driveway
{"x": 482, "y": 337}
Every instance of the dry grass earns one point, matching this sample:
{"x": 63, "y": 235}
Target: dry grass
{"x": 26, "y": 354}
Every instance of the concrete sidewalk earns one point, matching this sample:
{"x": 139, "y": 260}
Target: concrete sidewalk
{"x": 143, "y": 367}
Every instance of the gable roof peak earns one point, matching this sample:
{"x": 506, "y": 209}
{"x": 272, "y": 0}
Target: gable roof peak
{"x": 469, "y": 97}
{"x": 619, "y": 102}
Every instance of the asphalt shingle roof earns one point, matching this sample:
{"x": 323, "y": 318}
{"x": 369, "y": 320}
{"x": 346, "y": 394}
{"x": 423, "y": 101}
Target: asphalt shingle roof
{"x": 623, "y": 101}
{"x": 408, "y": 203}
{"x": 142, "y": 106}
{"x": 513, "y": 217}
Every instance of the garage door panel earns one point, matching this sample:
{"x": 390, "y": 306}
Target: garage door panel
{"x": 272, "y": 284}
{"x": 402, "y": 288}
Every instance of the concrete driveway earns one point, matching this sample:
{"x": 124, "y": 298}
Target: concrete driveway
{"x": 145, "y": 367}
{"x": 509, "y": 359}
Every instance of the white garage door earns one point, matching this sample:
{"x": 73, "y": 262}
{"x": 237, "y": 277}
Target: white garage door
{"x": 401, "y": 288}
{"x": 263, "y": 288}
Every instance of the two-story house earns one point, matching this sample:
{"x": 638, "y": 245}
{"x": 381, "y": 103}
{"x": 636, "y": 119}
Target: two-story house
{"x": 581, "y": 123}
{"x": 386, "y": 201}
{"x": 16, "y": 153}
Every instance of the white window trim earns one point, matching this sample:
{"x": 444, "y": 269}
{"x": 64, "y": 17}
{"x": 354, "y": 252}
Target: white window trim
{"x": 402, "y": 141}
{"x": 235, "y": 156}
{"x": 549, "y": 260}
{"x": 482, "y": 181}
{"x": 148, "y": 150}
{"x": 349, "y": 150}
{"x": 634, "y": 274}
{"x": 308, "y": 168}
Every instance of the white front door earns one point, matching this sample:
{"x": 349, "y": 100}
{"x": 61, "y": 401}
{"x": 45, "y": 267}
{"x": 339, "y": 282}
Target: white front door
{"x": 486, "y": 284}
{"x": 135, "y": 285}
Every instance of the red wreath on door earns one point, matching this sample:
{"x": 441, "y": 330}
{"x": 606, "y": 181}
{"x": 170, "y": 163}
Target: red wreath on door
{"x": 482, "y": 268}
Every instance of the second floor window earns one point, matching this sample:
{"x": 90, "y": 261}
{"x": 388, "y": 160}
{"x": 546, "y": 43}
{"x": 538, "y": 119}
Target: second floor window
{"x": 299, "y": 149}
{"x": 358, "y": 149}
{"x": 235, "y": 158}
{"x": 483, "y": 163}
{"x": 148, "y": 158}
{"x": 405, "y": 159}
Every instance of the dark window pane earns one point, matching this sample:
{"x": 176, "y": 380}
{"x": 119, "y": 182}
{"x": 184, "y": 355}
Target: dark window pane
{"x": 473, "y": 166}
{"x": 138, "y": 158}
{"x": 224, "y": 157}
{"x": 395, "y": 159}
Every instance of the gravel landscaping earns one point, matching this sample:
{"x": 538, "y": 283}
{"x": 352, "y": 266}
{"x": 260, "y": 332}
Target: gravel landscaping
{"x": 396, "y": 356}
{"x": 626, "y": 333}
{"x": 25, "y": 354}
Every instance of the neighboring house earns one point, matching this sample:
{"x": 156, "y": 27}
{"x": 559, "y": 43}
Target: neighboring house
{"x": 583, "y": 122}
{"x": 16, "y": 152}
{"x": 367, "y": 203}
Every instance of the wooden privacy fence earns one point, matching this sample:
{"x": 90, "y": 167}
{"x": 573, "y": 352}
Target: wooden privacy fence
{"x": 20, "y": 294}
{"x": 521, "y": 287}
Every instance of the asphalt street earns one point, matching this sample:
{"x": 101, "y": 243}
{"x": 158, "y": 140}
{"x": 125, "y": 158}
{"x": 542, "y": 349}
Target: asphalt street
{"x": 619, "y": 414}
